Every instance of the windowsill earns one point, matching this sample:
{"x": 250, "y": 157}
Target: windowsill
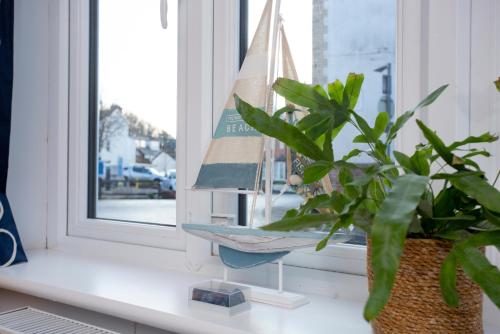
{"x": 158, "y": 298}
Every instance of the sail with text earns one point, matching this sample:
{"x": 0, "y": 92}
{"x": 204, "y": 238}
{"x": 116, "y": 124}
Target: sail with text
{"x": 235, "y": 153}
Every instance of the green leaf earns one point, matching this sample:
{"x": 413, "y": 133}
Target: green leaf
{"x": 380, "y": 152}
{"x": 474, "y": 153}
{"x": 338, "y": 202}
{"x": 304, "y": 95}
{"x": 375, "y": 191}
{"x": 341, "y": 224}
{"x": 365, "y": 128}
{"x": 328, "y": 145}
{"x": 313, "y": 119}
{"x": 491, "y": 217}
{"x": 440, "y": 147}
{"x": 319, "y": 201}
{"x": 345, "y": 176}
{"x": 322, "y": 244}
{"x": 381, "y": 123}
{"x": 444, "y": 203}
{"x": 448, "y": 280}
{"x": 352, "y": 89}
{"x": 363, "y": 219}
{"x": 431, "y": 97}
{"x": 315, "y": 171}
{"x": 291, "y": 213}
{"x": 480, "y": 270}
{"x": 400, "y": 122}
{"x": 336, "y": 91}
{"x": 312, "y": 204}
{"x": 455, "y": 235}
{"x": 420, "y": 163}
{"x": 448, "y": 176}
{"x": 279, "y": 129}
{"x": 388, "y": 235}
{"x": 497, "y": 84}
{"x": 301, "y": 222}
{"x": 481, "y": 239}
{"x": 425, "y": 208}
{"x": 477, "y": 188}
{"x": 360, "y": 139}
{"x": 319, "y": 129}
{"x": 354, "y": 153}
{"x": 403, "y": 160}
{"x": 370, "y": 173}
{"x": 285, "y": 110}
{"x": 455, "y": 218}
{"x": 484, "y": 138}
{"x": 336, "y": 130}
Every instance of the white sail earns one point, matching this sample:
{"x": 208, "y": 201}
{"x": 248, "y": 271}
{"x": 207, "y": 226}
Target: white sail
{"x": 234, "y": 155}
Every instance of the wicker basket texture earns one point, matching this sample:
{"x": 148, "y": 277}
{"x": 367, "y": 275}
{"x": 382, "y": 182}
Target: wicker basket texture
{"x": 416, "y": 304}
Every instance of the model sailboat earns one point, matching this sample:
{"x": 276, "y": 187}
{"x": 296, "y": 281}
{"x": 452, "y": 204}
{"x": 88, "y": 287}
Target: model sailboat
{"x": 234, "y": 159}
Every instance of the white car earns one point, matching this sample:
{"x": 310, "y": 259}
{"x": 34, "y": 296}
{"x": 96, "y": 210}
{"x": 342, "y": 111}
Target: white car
{"x": 171, "y": 176}
{"x": 142, "y": 173}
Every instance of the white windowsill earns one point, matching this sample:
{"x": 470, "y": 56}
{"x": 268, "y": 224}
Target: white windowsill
{"x": 158, "y": 298}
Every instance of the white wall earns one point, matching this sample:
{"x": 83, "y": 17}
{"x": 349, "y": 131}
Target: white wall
{"x": 27, "y": 182}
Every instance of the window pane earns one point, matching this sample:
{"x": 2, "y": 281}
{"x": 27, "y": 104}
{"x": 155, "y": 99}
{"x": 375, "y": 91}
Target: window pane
{"x": 136, "y": 100}
{"x": 341, "y": 36}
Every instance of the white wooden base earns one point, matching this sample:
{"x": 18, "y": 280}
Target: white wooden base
{"x": 274, "y": 297}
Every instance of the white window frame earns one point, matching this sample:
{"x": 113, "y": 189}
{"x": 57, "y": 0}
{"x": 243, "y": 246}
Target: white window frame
{"x": 194, "y": 18}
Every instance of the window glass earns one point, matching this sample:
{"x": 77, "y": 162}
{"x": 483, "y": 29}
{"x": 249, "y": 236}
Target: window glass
{"x": 328, "y": 40}
{"x": 134, "y": 106}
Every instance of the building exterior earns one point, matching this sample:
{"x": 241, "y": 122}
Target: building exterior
{"x": 320, "y": 42}
{"x": 344, "y": 44}
{"x": 117, "y": 145}
{"x": 163, "y": 162}
{"x": 118, "y": 148}
{"x": 147, "y": 143}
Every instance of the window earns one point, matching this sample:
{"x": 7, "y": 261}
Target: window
{"x": 329, "y": 39}
{"x": 205, "y": 62}
{"x": 133, "y": 111}
{"x": 128, "y": 111}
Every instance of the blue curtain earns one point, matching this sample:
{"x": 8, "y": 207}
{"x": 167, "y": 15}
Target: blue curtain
{"x": 11, "y": 250}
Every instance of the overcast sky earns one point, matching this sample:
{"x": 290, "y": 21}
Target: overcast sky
{"x": 138, "y": 58}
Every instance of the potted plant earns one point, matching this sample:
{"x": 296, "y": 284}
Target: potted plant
{"x": 427, "y": 216}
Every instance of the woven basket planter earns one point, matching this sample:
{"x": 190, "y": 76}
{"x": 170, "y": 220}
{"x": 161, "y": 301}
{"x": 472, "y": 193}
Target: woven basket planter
{"x": 416, "y": 304}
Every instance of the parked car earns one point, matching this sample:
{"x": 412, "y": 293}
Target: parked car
{"x": 142, "y": 173}
{"x": 168, "y": 185}
{"x": 172, "y": 177}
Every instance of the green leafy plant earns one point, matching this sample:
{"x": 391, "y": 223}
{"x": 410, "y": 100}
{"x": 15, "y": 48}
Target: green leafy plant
{"x": 439, "y": 191}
